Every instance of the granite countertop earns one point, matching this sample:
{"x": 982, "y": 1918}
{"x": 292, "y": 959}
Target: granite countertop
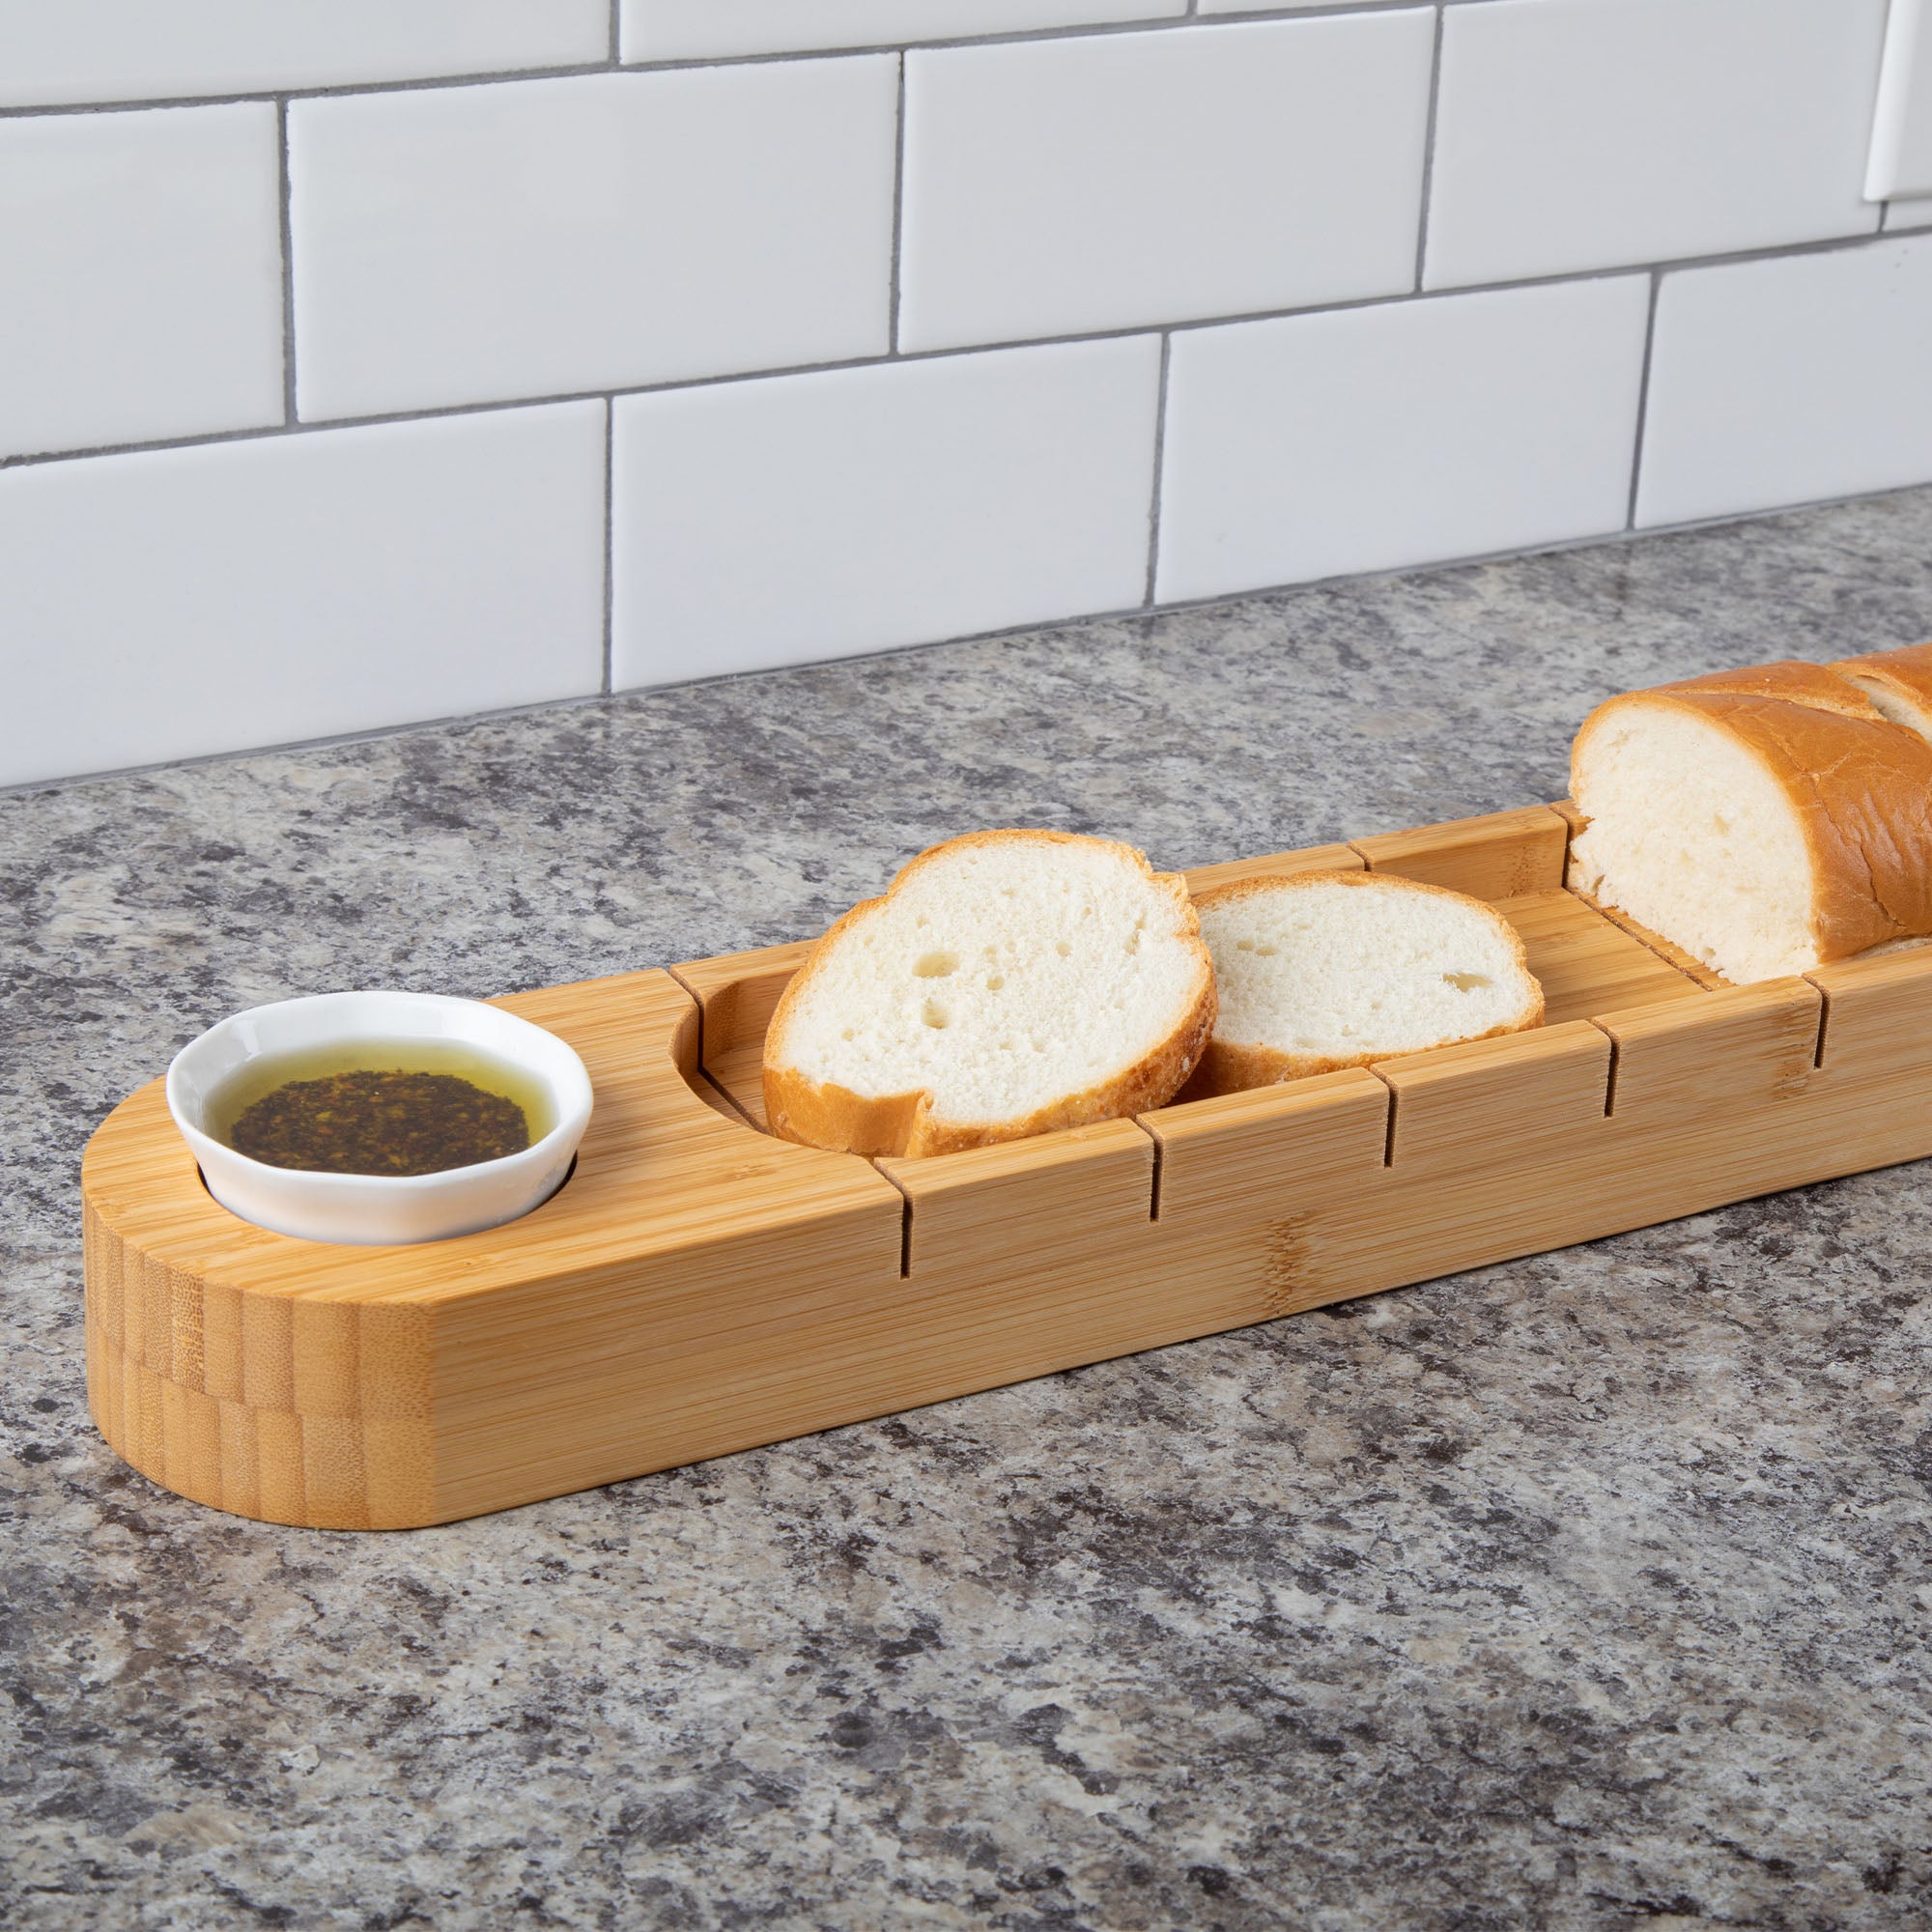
{"x": 1587, "y": 1590}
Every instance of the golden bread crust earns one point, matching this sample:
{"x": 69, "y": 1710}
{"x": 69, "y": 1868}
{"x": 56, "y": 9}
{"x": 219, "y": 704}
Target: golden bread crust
{"x": 1905, "y": 676}
{"x": 1232, "y": 1066}
{"x": 1813, "y": 687}
{"x": 825, "y": 1115}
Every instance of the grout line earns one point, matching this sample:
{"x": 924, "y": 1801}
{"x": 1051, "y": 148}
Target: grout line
{"x": 288, "y": 416}
{"x": 898, "y": 217}
{"x": 1429, "y": 150}
{"x": 338, "y": 91}
{"x": 580, "y": 70}
{"x": 610, "y": 526}
{"x": 1643, "y": 395}
{"x": 615, "y": 55}
{"x": 1187, "y": 326}
{"x": 1159, "y": 458}
{"x": 1030, "y": 628}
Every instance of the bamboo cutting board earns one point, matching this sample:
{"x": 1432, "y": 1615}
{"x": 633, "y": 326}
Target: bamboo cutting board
{"x": 699, "y": 1286}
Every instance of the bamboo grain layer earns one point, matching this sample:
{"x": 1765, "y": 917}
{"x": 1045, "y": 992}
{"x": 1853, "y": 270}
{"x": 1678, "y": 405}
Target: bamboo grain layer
{"x": 700, "y": 1286}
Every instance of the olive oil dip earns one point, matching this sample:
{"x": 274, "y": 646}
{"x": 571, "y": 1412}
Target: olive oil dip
{"x": 398, "y": 1107}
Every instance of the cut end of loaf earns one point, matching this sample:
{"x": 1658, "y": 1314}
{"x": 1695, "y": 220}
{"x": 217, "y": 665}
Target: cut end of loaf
{"x": 1331, "y": 970}
{"x": 1007, "y": 983}
{"x": 1691, "y": 833}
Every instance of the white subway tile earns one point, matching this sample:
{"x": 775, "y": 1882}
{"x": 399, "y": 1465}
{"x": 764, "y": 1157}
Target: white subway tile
{"x": 1110, "y": 180}
{"x": 1783, "y": 380}
{"x": 1901, "y": 147}
{"x": 657, "y": 30}
{"x": 539, "y": 237}
{"x": 807, "y": 517}
{"x": 183, "y": 601}
{"x": 1401, "y": 434}
{"x": 140, "y": 276}
{"x": 1259, "y": 5}
{"x": 1900, "y": 215}
{"x": 81, "y": 50}
{"x": 1587, "y": 133}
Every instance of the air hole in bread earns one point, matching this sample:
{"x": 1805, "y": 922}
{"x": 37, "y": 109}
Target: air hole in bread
{"x": 935, "y": 1014}
{"x": 1060, "y": 946}
{"x": 935, "y": 965}
{"x": 1466, "y": 982}
{"x": 994, "y": 981}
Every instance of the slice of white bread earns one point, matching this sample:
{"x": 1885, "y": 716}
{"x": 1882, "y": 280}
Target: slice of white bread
{"x": 1764, "y": 820}
{"x": 1329, "y": 970}
{"x": 1007, "y": 983}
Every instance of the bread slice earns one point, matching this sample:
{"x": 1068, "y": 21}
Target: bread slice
{"x": 1764, "y": 820}
{"x": 1007, "y": 983}
{"x": 1329, "y": 970}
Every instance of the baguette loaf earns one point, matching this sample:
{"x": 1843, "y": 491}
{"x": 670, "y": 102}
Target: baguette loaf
{"x": 1007, "y": 983}
{"x": 1764, "y": 820}
{"x": 1329, "y": 969}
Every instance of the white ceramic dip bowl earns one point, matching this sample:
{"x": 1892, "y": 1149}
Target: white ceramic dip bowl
{"x": 371, "y": 1209}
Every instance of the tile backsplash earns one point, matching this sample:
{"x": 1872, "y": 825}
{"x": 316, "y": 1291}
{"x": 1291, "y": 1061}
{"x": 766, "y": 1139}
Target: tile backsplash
{"x": 363, "y": 362}
{"x": 175, "y": 602}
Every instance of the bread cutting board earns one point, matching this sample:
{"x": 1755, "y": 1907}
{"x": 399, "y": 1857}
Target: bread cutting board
{"x": 699, "y": 1286}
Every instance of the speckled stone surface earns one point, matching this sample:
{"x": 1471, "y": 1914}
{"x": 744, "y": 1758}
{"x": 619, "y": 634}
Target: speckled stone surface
{"x": 1585, "y": 1591}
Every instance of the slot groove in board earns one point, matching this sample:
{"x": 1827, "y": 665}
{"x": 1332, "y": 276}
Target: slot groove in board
{"x": 1388, "y": 1133}
{"x": 698, "y": 1000}
{"x": 1610, "y": 1090}
{"x": 905, "y": 1222}
{"x": 727, "y": 1103}
{"x": 1487, "y": 1102}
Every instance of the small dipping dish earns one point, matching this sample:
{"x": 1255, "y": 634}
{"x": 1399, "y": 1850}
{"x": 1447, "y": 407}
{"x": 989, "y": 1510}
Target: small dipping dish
{"x": 376, "y": 1210}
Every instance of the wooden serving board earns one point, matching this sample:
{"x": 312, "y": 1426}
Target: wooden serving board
{"x": 699, "y": 1286}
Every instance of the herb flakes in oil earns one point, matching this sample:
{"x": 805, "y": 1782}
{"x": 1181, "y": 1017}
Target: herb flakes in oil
{"x": 369, "y": 1122}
